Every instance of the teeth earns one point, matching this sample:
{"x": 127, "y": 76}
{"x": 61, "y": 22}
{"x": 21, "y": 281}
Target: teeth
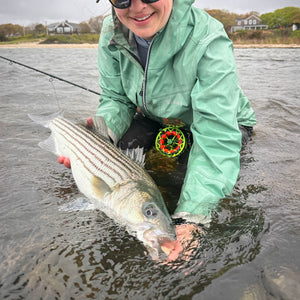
{"x": 142, "y": 19}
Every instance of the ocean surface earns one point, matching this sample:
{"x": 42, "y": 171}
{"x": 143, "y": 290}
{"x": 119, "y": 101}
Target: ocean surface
{"x": 53, "y": 246}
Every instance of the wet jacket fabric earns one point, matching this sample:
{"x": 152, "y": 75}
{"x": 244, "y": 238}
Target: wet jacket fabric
{"x": 190, "y": 75}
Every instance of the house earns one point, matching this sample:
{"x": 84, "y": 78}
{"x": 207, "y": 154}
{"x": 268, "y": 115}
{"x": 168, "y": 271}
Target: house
{"x": 253, "y": 22}
{"x": 64, "y": 27}
{"x": 296, "y": 26}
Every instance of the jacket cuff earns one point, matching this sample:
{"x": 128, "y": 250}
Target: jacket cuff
{"x": 112, "y": 136}
{"x": 198, "y": 219}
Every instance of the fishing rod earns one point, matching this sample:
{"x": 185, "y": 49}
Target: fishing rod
{"x": 50, "y": 75}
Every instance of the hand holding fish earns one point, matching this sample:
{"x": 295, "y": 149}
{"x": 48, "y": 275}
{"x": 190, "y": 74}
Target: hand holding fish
{"x": 64, "y": 161}
{"x": 89, "y": 122}
{"x": 184, "y": 242}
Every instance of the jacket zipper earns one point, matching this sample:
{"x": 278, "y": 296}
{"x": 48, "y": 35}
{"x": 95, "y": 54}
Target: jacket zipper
{"x": 143, "y": 91}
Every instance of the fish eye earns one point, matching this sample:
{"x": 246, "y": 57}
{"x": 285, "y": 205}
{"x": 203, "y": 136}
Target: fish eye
{"x": 150, "y": 211}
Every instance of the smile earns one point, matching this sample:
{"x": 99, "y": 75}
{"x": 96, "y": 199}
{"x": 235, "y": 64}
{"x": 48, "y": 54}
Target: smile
{"x": 144, "y": 18}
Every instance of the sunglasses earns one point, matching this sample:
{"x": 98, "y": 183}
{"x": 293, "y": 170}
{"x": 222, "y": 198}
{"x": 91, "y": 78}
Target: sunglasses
{"x": 121, "y": 4}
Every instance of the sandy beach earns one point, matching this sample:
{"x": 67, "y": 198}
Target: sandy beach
{"x": 37, "y": 45}
{"x": 267, "y": 46}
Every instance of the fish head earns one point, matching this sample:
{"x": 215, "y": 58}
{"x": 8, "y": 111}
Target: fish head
{"x": 142, "y": 209}
{"x": 155, "y": 230}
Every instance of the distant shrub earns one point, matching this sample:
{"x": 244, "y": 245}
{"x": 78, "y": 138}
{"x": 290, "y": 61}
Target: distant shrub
{"x": 274, "y": 36}
{"x": 254, "y": 34}
{"x": 23, "y": 39}
{"x": 241, "y": 34}
{"x": 90, "y": 38}
{"x": 71, "y": 39}
{"x": 296, "y": 34}
{"x": 3, "y": 38}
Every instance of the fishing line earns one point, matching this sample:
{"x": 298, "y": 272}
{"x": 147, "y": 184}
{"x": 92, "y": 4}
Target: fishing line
{"x": 53, "y": 87}
{"x": 48, "y": 74}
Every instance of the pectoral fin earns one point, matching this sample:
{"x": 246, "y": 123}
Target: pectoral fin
{"x": 100, "y": 188}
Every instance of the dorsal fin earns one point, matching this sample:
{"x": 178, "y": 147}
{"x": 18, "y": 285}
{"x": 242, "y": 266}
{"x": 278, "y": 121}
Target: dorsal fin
{"x": 137, "y": 155}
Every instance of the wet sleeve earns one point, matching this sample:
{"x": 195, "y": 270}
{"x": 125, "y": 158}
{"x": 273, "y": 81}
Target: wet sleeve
{"x": 115, "y": 107}
{"x": 213, "y": 164}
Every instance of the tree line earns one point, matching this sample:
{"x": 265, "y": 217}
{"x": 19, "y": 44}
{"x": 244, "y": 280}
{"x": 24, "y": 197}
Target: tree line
{"x": 280, "y": 18}
{"x": 94, "y": 25}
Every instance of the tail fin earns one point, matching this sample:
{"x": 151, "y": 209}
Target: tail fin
{"x": 45, "y": 120}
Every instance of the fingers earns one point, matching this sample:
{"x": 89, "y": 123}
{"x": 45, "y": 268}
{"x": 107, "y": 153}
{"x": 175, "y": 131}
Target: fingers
{"x": 89, "y": 122}
{"x": 175, "y": 252}
{"x": 184, "y": 234}
{"x": 61, "y": 159}
{"x": 65, "y": 161}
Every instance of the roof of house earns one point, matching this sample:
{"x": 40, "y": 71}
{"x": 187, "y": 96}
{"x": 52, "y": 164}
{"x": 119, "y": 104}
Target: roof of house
{"x": 63, "y": 23}
{"x": 250, "y": 17}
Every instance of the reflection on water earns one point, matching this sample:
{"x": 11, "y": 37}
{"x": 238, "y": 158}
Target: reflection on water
{"x": 53, "y": 246}
{"x": 92, "y": 256}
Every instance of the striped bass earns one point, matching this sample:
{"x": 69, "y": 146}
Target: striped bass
{"x": 115, "y": 183}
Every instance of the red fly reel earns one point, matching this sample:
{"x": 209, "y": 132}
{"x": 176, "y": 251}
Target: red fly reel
{"x": 170, "y": 141}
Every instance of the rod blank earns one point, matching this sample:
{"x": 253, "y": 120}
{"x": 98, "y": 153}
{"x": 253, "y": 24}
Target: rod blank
{"x": 52, "y": 76}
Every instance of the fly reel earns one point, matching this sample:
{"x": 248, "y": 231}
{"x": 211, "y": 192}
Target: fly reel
{"x": 170, "y": 141}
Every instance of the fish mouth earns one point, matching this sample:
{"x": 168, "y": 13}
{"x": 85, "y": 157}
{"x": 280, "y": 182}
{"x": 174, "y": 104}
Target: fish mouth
{"x": 155, "y": 234}
{"x": 159, "y": 246}
{"x": 156, "y": 240}
{"x": 167, "y": 244}
{"x": 162, "y": 240}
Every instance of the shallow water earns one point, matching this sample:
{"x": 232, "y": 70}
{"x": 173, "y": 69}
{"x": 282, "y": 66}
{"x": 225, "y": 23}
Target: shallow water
{"x": 49, "y": 251}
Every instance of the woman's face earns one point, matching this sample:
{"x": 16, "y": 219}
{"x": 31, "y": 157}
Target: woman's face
{"x": 145, "y": 20}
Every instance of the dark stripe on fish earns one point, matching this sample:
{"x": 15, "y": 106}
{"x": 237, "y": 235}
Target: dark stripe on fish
{"x": 77, "y": 150}
{"x": 113, "y": 155}
{"x": 87, "y": 141}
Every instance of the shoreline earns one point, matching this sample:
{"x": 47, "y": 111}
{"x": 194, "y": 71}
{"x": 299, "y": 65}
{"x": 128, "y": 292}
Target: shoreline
{"x": 37, "y": 45}
{"x": 95, "y": 46}
{"x": 243, "y": 46}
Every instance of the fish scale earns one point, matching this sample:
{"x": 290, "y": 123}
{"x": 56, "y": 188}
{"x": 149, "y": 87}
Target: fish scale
{"x": 92, "y": 149}
{"x": 86, "y": 137}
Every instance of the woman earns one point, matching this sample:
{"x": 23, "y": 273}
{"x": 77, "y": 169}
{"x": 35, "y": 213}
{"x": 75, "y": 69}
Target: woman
{"x": 173, "y": 61}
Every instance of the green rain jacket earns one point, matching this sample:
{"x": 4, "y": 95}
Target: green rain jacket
{"x": 190, "y": 75}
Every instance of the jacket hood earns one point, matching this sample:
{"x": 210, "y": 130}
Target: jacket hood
{"x": 179, "y": 25}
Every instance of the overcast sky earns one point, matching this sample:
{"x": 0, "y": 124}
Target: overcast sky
{"x": 24, "y": 12}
